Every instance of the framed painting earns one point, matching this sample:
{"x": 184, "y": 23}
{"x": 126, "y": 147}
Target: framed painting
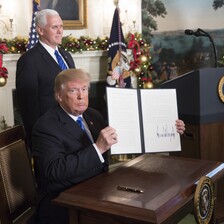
{"x": 72, "y": 12}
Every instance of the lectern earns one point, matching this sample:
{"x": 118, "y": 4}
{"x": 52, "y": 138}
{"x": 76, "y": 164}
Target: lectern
{"x": 201, "y": 108}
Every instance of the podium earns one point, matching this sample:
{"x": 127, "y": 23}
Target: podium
{"x": 202, "y": 110}
{"x": 200, "y": 107}
{"x": 168, "y": 186}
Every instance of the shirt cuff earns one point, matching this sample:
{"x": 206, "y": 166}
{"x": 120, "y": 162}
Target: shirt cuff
{"x": 99, "y": 153}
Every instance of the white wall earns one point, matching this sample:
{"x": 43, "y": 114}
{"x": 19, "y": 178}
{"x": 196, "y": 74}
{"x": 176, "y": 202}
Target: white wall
{"x": 94, "y": 62}
{"x": 99, "y": 14}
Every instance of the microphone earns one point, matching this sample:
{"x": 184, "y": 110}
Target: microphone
{"x": 199, "y": 32}
{"x": 189, "y": 32}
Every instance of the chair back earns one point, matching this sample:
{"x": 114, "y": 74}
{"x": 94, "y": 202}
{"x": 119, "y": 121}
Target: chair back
{"x": 17, "y": 185}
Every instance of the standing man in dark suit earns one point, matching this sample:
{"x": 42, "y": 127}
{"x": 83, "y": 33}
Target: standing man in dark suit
{"x": 66, "y": 154}
{"x": 37, "y": 69}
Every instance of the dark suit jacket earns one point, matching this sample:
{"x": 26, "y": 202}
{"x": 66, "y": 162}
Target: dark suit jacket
{"x": 63, "y": 154}
{"x": 35, "y": 74}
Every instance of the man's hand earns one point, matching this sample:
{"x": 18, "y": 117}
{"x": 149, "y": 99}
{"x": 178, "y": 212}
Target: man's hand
{"x": 106, "y": 139}
{"x": 180, "y": 126}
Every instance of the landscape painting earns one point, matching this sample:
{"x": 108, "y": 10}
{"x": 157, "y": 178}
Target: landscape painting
{"x": 183, "y": 35}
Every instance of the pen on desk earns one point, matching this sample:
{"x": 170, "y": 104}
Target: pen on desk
{"x": 130, "y": 189}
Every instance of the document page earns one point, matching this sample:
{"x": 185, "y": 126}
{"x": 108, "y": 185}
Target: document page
{"x": 159, "y": 113}
{"x": 123, "y": 115}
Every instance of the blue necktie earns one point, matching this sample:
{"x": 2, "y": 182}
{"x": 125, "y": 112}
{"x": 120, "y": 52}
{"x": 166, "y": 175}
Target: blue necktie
{"x": 60, "y": 60}
{"x": 80, "y": 123}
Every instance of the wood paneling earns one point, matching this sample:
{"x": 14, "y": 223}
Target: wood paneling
{"x": 11, "y": 135}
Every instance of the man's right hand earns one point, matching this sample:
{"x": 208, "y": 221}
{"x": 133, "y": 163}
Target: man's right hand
{"x": 106, "y": 139}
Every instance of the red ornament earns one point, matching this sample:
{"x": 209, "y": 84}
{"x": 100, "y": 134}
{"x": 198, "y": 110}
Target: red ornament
{"x": 3, "y": 72}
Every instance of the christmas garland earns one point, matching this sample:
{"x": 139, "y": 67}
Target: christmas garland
{"x": 72, "y": 44}
{"x": 18, "y": 45}
{"x": 140, "y": 63}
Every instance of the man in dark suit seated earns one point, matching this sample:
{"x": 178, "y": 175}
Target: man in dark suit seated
{"x": 70, "y": 143}
{"x": 37, "y": 69}
{"x": 66, "y": 154}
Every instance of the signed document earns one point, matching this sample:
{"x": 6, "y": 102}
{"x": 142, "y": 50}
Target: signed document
{"x": 144, "y": 120}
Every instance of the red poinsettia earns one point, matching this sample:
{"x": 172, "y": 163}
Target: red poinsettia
{"x": 3, "y": 72}
{"x": 3, "y": 48}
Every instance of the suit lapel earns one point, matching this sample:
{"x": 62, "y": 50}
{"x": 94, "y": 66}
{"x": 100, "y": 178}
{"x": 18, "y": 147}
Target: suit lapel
{"x": 91, "y": 124}
{"x": 64, "y": 55}
{"x": 71, "y": 126}
{"x": 47, "y": 57}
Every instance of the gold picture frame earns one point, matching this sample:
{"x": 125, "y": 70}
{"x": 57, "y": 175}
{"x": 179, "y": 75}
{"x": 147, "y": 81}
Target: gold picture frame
{"x": 81, "y": 22}
{"x": 72, "y": 12}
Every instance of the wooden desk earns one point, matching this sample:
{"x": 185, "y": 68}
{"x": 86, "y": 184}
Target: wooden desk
{"x": 168, "y": 184}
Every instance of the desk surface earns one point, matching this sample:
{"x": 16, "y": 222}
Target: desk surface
{"x": 168, "y": 184}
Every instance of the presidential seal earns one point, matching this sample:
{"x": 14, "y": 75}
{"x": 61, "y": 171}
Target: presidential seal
{"x": 204, "y": 200}
{"x": 221, "y": 89}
